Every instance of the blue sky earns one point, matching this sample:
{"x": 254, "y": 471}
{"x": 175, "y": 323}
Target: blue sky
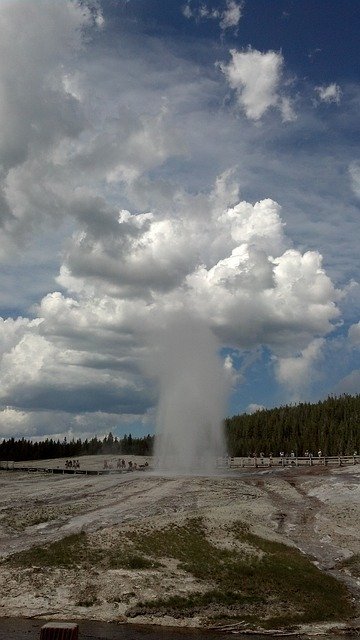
{"x": 163, "y": 160}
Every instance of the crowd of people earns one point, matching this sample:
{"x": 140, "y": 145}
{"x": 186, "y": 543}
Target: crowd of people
{"x": 72, "y": 464}
{"x": 292, "y": 454}
{"x": 121, "y": 465}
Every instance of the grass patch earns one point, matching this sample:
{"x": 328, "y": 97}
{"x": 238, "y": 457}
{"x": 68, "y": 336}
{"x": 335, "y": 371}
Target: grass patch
{"x": 196, "y": 602}
{"x": 131, "y": 561}
{"x": 68, "y": 552}
{"x": 76, "y": 551}
{"x": 276, "y": 587}
{"x": 256, "y": 587}
{"x": 286, "y": 573}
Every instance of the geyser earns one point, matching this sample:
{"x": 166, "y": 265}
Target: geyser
{"x": 192, "y": 398}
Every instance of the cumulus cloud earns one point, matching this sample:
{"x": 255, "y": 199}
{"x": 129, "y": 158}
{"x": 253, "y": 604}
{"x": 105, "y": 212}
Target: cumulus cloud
{"x": 59, "y": 424}
{"x": 329, "y": 93}
{"x": 37, "y": 374}
{"x": 57, "y": 149}
{"x": 256, "y": 79}
{"x": 13, "y": 330}
{"x": 113, "y": 152}
{"x": 38, "y": 111}
{"x": 297, "y": 372}
{"x": 233, "y": 272}
{"x": 49, "y": 32}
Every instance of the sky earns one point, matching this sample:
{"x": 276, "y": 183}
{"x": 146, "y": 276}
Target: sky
{"x": 165, "y": 159}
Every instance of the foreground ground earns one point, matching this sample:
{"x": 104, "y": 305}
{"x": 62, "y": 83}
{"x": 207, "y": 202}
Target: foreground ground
{"x": 192, "y": 551}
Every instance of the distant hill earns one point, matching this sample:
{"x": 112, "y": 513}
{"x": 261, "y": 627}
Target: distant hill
{"x": 332, "y": 425}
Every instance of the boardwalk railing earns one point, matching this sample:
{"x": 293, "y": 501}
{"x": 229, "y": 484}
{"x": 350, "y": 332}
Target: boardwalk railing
{"x": 6, "y": 465}
{"x": 257, "y": 462}
{"x": 288, "y": 461}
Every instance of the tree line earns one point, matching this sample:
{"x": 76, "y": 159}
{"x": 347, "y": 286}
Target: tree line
{"x": 17, "y": 450}
{"x": 331, "y": 425}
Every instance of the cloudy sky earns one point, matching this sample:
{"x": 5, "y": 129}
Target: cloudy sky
{"x": 164, "y": 159}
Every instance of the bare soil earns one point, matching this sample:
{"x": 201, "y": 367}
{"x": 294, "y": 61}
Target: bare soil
{"x": 314, "y": 509}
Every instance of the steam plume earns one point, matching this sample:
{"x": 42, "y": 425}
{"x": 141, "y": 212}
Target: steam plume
{"x": 192, "y": 398}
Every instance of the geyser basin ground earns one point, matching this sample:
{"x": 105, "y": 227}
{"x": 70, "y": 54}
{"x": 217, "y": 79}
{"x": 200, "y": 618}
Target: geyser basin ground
{"x": 165, "y": 550}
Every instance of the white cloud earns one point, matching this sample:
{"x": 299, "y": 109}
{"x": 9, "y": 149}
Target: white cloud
{"x": 354, "y": 335}
{"x": 235, "y": 260}
{"x": 40, "y": 425}
{"x": 298, "y": 372}
{"x": 349, "y": 384}
{"x": 107, "y": 150}
{"x": 11, "y": 331}
{"x": 230, "y": 269}
{"x": 187, "y": 11}
{"x": 229, "y": 18}
{"x": 256, "y": 78}
{"x": 13, "y": 422}
{"x": 41, "y": 58}
{"x": 287, "y": 110}
{"x": 354, "y": 170}
{"x": 232, "y": 375}
{"x": 39, "y": 374}
{"x": 37, "y": 111}
{"x": 200, "y": 13}
{"x": 329, "y": 93}
{"x": 253, "y": 407}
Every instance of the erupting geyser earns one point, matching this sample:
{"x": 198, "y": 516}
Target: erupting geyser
{"x": 192, "y": 398}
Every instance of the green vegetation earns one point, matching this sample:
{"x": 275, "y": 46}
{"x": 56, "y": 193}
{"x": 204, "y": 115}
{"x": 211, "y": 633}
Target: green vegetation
{"x": 68, "y": 552}
{"x": 76, "y": 551}
{"x": 256, "y": 585}
{"x": 27, "y": 450}
{"x": 332, "y": 426}
{"x": 251, "y": 586}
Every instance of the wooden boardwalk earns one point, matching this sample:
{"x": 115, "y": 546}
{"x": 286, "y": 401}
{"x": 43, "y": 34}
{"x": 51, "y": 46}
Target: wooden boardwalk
{"x": 6, "y": 466}
{"x": 235, "y": 463}
{"x": 10, "y": 466}
{"x": 288, "y": 461}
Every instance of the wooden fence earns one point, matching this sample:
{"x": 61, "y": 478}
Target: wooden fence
{"x": 288, "y": 461}
{"x": 257, "y": 462}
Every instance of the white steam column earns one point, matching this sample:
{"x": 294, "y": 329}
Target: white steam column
{"x": 192, "y": 398}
